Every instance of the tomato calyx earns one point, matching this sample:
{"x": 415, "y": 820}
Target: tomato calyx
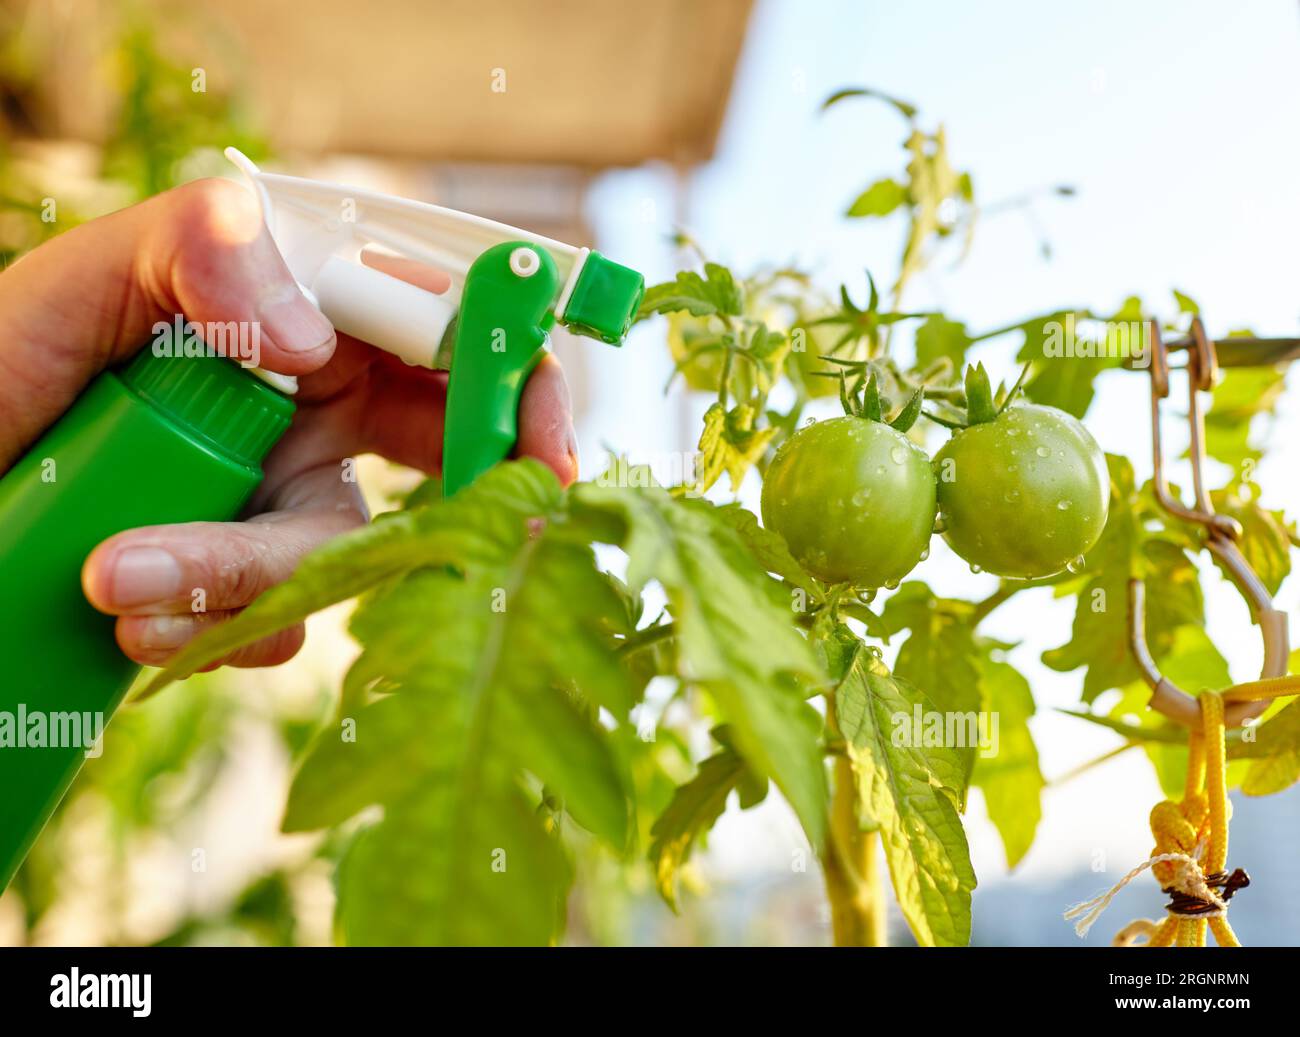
{"x": 982, "y": 403}
{"x": 862, "y": 398}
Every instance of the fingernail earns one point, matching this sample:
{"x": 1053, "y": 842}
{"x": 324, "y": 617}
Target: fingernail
{"x": 164, "y": 633}
{"x": 573, "y": 449}
{"x": 293, "y": 323}
{"x": 143, "y": 575}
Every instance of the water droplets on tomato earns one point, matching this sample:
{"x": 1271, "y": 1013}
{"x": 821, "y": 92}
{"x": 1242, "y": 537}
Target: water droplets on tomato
{"x": 898, "y": 454}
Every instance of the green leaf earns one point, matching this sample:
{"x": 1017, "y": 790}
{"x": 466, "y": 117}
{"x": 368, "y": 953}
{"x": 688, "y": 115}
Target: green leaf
{"x": 1274, "y": 752}
{"x": 395, "y": 543}
{"x": 1164, "y": 733}
{"x": 1266, "y": 535}
{"x": 1066, "y": 362}
{"x": 714, "y": 293}
{"x": 1099, "y": 636}
{"x": 712, "y": 447}
{"x": 1186, "y": 304}
{"x": 939, "y": 338}
{"x": 1241, "y": 395}
{"x": 768, "y": 548}
{"x": 494, "y": 662}
{"x": 909, "y": 792}
{"x": 940, "y": 654}
{"x": 903, "y": 107}
{"x": 880, "y": 199}
{"x": 735, "y": 634}
{"x": 694, "y": 809}
{"x": 1010, "y": 778}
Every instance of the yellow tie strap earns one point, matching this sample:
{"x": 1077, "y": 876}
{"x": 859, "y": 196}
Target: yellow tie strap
{"x": 1191, "y": 845}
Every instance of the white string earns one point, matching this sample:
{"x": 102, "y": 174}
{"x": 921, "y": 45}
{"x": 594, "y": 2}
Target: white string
{"x": 1092, "y": 909}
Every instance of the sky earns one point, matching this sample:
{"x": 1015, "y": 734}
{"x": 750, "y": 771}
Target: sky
{"x": 1178, "y": 124}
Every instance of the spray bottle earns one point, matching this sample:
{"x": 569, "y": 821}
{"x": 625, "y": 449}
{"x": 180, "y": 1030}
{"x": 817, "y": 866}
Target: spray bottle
{"x": 170, "y": 437}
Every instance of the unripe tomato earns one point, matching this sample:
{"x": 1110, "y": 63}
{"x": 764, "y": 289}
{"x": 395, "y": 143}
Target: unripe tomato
{"x": 854, "y": 500}
{"x": 1023, "y": 495}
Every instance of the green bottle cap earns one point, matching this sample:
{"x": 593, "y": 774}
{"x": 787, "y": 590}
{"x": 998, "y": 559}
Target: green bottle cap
{"x": 604, "y": 301}
{"x": 214, "y": 399}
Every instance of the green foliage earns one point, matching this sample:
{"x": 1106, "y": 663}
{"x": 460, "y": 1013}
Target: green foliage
{"x": 911, "y": 793}
{"x": 694, "y": 809}
{"x": 490, "y": 642}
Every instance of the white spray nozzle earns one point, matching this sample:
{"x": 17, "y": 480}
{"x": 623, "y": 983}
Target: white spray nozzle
{"x": 322, "y": 228}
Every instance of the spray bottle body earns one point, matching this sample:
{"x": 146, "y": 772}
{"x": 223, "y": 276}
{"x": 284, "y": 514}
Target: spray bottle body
{"x": 165, "y": 439}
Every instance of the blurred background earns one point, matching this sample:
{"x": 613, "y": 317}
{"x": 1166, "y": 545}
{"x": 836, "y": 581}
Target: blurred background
{"x": 1177, "y": 124}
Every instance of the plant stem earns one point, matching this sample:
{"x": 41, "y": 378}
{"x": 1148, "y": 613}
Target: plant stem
{"x": 851, "y": 862}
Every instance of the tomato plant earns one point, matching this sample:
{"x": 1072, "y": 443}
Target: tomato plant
{"x": 494, "y": 714}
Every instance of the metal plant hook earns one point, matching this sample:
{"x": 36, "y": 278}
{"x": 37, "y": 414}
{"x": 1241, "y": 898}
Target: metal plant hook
{"x": 1221, "y": 536}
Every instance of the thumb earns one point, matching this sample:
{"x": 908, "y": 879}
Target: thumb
{"x": 91, "y": 297}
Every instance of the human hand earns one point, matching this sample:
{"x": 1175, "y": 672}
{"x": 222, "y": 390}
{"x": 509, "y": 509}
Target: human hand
{"x": 89, "y": 299}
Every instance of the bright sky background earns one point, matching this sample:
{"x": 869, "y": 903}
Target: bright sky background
{"x": 1178, "y": 123}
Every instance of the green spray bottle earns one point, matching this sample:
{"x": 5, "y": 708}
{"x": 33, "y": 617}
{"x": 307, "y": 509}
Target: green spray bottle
{"x": 176, "y": 437}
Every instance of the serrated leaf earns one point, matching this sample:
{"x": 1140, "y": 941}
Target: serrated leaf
{"x": 692, "y": 812}
{"x": 1266, "y": 535}
{"x": 716, "y": 292}
{"x": 768, "y": 548}
{"x": 712, "y": 447}
{"x": 395, "y": 543}
{"x": 909, "y": 792}
{"x": 495, "y": 661}
{"x": 735, "y": 635}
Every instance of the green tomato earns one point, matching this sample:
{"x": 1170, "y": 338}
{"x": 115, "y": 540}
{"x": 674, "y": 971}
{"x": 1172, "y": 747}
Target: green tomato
{"x": 1023, "y": 495}
{"x": 854, "y": 500}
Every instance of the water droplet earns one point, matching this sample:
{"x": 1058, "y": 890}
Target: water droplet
{"x": 860, "y": 498}
{"x": 1013, "y": 431}
{"x": 925, "y": 554}
{"x": 1013, "y": 468}
{"x": 940, "y": 525}
{"x": 1062, "y": 505}
{"x": 1042, "y": 451}
{"x": 898, "y": 454}
{"x": 880, "y": 469}
{"x": 1076, "y": 564}
{"x": 975, "y": 568}
{"x": 875, "y": 651}
{"x": 1011, "y": 496}
{"x": 891, "y": 585}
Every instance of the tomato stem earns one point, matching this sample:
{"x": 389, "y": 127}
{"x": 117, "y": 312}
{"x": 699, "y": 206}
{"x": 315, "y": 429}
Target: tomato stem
{"x": 851, "y": 861}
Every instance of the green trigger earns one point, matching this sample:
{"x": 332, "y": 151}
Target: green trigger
{"x": 501, "y": 333}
